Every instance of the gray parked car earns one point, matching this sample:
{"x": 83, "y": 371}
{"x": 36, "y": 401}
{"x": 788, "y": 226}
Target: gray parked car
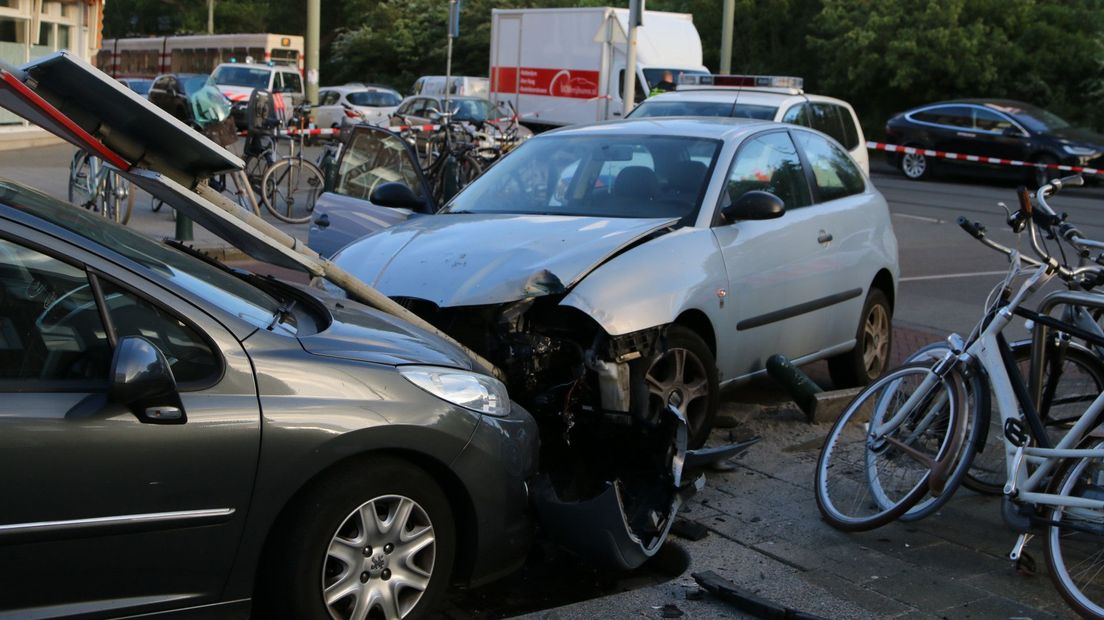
{"x": 174, "y": 435}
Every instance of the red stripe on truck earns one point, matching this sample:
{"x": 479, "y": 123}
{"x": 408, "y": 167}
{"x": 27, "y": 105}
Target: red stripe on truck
{"x": 568, "y": 83}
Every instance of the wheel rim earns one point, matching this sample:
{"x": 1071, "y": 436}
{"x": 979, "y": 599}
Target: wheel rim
{"x": 678, "y": 378}
{"x": 379, "y": 560}
{"x": 914, "y": 165}
{"x": 876, "y": 341}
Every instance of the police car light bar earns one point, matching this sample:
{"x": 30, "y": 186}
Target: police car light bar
{"x": 745, "y": 81}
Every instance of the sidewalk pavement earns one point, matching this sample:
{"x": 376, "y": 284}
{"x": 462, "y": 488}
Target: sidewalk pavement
{"x": 765, "y": 534}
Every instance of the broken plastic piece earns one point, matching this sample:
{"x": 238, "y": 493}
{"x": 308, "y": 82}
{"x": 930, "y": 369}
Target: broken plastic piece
{"x": 746, "y": 601}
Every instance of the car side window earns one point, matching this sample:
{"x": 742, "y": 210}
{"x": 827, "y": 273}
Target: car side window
{"x": 50, "y": 326}
{"x": 955, "y": 116}
{"x": 292, "y": 83}
{"x": 277, "y": 82}
{"x": 769, "y": 162}
{"x": 986, "y": 120}
{"x": 327, "y": 97}
{"x": 190, "y": 357}
{"x": 797, "y": 115}
{"x": 835, "y": 173}
{"x": 850, "y": 131}
{"x": 825, "y": 117}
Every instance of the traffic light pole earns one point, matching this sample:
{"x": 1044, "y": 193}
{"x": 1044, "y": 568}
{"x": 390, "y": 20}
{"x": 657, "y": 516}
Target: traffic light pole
{"x": 314, "y": 12}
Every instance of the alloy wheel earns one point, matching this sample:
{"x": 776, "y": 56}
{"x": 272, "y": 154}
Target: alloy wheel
{"x": 380, "y": 560}
{"x": 876, "y": 338}
{"x": 914, "y": 165}
{"x": 678, "y": 378}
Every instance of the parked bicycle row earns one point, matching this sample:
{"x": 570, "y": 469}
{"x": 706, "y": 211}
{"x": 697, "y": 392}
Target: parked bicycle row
{"x": 909, "y": 440}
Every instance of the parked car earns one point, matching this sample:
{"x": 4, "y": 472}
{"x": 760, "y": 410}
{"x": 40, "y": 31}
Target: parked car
{"x": 770, "y": 98}
{"x": 195, "y": 101}
{"x": 360, "y": 103}
{"x": 187, "y": 436}
{"x": 999, "y": 128}
{"x": 620, "y": 270}
{"x": 476, "y": 112}
{"x": 138, "y": 85}
{"x": 238, "y": 81}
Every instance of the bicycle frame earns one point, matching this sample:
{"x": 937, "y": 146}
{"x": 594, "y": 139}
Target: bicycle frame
{"x": 994, "y": 355}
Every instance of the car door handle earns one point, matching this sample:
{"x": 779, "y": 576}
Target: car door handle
{"x": 965, "y": 134}
{"x": 323, "y": 221}
{"x": 824, "y": 237}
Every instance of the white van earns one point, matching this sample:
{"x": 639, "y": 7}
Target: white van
{"x": 567, "y": 66}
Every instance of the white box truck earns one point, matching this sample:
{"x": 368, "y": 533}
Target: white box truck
{"x": 567, "y": 66}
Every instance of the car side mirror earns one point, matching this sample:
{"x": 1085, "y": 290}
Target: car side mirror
{"x": 434, "y": 116}
{"x": 754, "y": 205}
{"x": 1012, "y": 132}
{"x": 395, "y": 195}
{"x": 142, "y": 380}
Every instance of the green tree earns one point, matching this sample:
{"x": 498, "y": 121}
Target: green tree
{"x": 887, "y": 55}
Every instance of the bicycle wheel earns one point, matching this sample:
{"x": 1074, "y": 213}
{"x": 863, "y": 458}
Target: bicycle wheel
{"x": 974, "y": 406}
{"x": 1075, "y": 538}
{"x": 1077, "y": 382}
{"x": 80, "y": 179}
{"x": 874, "y": 467}
{"x": 290, "y": 188}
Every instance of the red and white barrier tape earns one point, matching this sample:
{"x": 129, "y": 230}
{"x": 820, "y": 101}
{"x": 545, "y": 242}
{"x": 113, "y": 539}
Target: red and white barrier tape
{"x": 414, "y": 128}
{"x": 894, "y": 148}
{"x": 307, "y": 132}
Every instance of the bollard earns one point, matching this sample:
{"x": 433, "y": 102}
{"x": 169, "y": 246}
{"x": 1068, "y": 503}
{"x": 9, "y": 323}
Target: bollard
{"x": 183, "y": 228}
{"x": 797, "y": 384}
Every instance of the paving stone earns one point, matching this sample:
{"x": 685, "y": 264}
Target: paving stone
{"x": 927, "y": 589}
{"x": 878, "y": 605}
{"x": 998, "y": 607}
{"x": 1036, "y": 591}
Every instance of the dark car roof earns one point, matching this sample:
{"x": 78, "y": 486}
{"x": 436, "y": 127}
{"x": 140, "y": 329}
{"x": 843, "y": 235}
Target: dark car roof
{"x": 983, "y": 102}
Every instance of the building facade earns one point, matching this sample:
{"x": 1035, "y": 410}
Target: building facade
{"x": 33, "y": 28}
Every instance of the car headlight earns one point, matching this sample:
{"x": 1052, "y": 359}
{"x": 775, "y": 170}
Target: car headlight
{"x": 1079, "y": 151}
{"x": 469, "y": 390}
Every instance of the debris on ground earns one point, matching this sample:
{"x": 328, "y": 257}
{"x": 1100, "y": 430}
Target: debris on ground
{"x": 690, "y": 530}
{"x": 747, "y": 601}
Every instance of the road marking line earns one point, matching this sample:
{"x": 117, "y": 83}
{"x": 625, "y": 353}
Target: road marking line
{"x": 954, "y": 275}
{"x": 933, "y": 220}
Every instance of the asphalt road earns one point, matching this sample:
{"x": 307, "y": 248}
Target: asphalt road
{"x": 946, "y": 274}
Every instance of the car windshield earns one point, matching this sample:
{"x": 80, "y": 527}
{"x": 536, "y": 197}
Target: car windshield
{"x": 191, "y": 274}
{"x": 597, "y": 175}
{"x": 250, "y": 77}
{"x": 1033, "y": 118}
{"x": 374, "y": 98}
{"x": 675, "y": 107}
{"x": 476, "y": 110}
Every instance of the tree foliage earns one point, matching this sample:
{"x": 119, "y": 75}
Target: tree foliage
{"x": 881, "y": 55}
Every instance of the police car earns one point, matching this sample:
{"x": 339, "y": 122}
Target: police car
{"x": 764, "y": 97}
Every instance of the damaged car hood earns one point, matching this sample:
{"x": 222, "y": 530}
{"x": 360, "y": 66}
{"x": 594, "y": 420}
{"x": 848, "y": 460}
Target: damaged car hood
{"x": 477, "y": 259}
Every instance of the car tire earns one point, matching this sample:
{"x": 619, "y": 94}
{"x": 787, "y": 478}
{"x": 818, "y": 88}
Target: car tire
{"x": 682, "y": 372}
{"x": 327, "y": 524}
{"x": 1038, "y": 177}
{"x": 915, "y": 166}
{"x": 873, "y": 343}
